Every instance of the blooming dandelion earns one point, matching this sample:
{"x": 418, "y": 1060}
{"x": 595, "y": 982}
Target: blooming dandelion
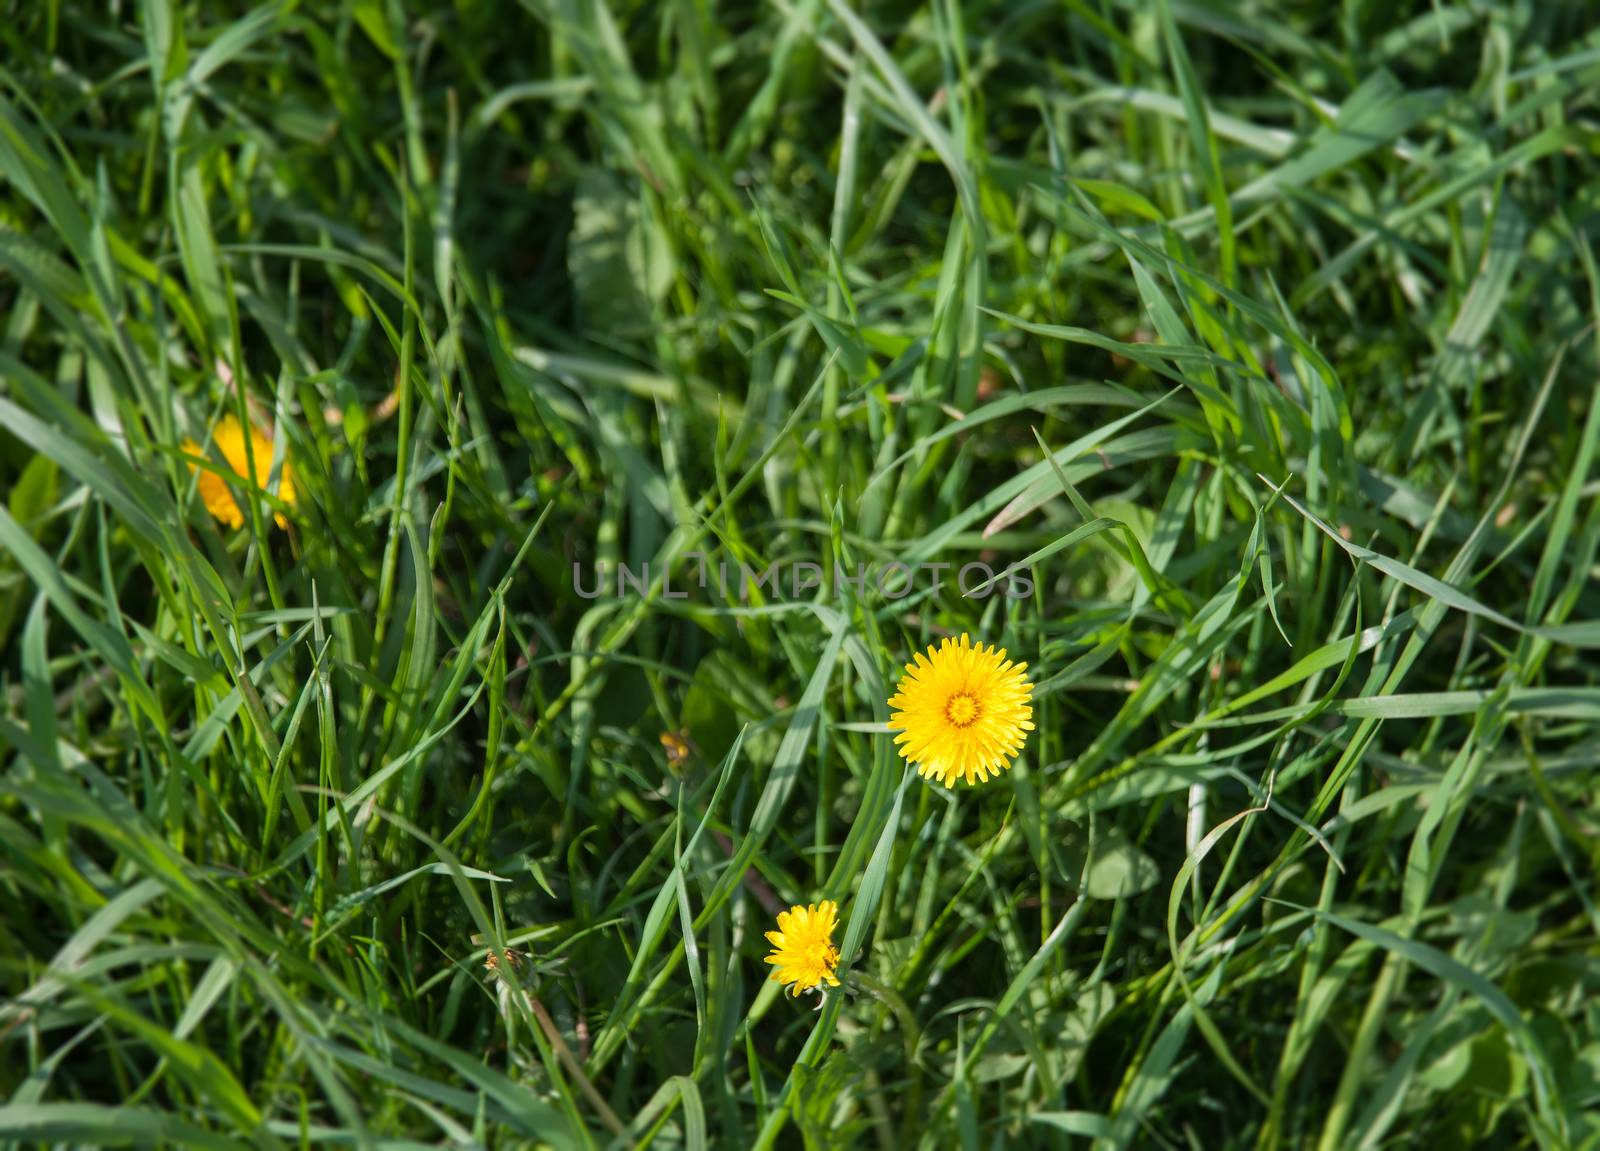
{"x": 215, "y": 493}
{"x": 962, "y": 711}
{"x": 802, "y": 947}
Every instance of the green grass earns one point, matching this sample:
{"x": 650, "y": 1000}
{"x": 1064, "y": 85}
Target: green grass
{"x": 1261, "y": 337}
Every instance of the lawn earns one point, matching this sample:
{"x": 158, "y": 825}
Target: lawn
{"x": 482, "y": 481}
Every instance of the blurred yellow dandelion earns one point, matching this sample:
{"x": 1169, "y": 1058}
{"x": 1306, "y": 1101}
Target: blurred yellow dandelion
{"x": 962, "y": 711}
{"x": 802, "y": 947}
{"x": 214, "y": 490}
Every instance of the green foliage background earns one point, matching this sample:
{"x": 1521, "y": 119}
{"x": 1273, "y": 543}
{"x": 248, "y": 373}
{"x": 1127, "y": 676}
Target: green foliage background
{"x": 1262, "y": 335}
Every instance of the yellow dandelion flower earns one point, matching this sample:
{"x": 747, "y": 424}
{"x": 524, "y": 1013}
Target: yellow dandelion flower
{"x": 214, "y": 490}
{"x": 802, "y": 947}
{"x": 962, "y": 711}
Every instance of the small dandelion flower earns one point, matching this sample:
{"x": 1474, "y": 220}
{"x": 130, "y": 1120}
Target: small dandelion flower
{"x": 962, "y": 711}
{"x": 802, "y": 947}
{"x": 214, "y": 489}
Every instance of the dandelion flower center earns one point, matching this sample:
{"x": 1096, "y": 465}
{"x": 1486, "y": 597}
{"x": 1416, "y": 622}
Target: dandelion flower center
{"x": 802, "y": 948}
{"x": 962, "y": 711}
{"x": 820, "y": 956}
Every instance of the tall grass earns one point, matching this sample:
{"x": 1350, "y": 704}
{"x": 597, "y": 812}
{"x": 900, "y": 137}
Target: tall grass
{"x": 1259, "y": 339}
